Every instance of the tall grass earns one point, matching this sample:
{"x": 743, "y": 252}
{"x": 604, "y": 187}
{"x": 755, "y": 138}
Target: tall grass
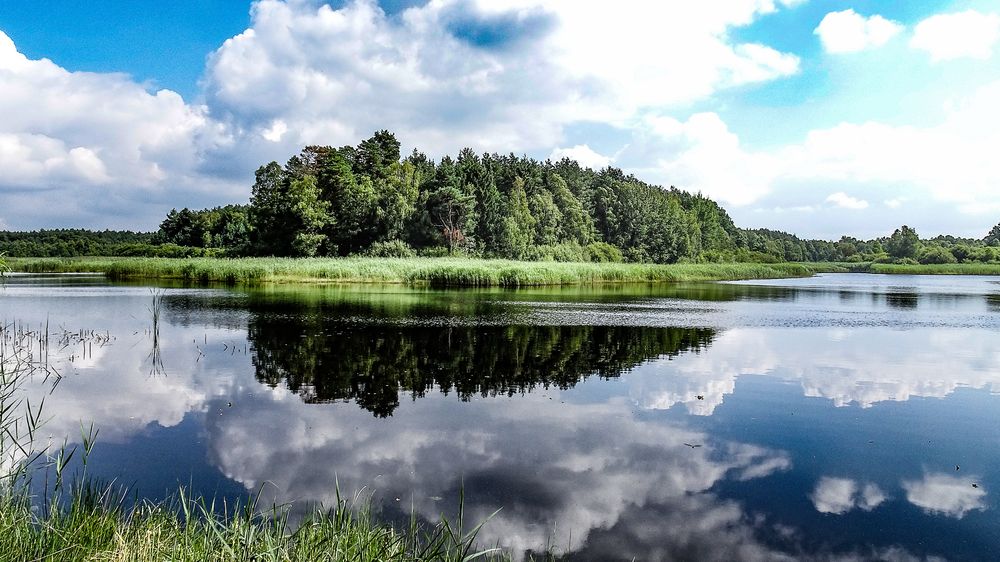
{"x": 459, "y": 272}
{"x": 78, "y": 520}
{"x": 929, "y": 269}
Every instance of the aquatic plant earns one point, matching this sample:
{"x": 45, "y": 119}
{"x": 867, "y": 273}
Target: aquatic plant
{"x": 463, "y": 272}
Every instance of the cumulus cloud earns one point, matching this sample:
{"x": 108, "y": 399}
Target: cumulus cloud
{"x": 333, "y": 75}
{"x": 840, "y": 495}
{"x": 841, "y": 199}
{"x": 586, "y": 156}
{"x": 951, "y": 161}
{"x": 968, "y": 34}
{"x": 95, "y": 144}
{"x": 944, "y": 494}
{"x": 849, "y": 32}
{"x": 505, "y": 76}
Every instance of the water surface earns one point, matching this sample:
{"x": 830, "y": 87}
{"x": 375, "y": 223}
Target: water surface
{"x": 840, "y": 416}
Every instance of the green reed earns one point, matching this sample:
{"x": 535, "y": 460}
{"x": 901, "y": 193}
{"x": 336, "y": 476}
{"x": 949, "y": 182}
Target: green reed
{"x": 461, "y": 272}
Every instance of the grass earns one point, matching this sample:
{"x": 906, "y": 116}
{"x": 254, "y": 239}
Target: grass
{"x": 76, "y": 520}
{"x": 458, "y": 272}
{"x": 94, "y": 526}
{"x": 929, "y": 269}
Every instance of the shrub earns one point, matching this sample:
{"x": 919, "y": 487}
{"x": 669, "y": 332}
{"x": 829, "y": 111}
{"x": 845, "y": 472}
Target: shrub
{"x": 390, "y": 249}
{"x": 935, "y": 254}
{"x": 602, "y": 252}
{"x": 905, "y": 261}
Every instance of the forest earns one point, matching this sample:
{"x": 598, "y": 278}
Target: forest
{"x": 369, "y": 200}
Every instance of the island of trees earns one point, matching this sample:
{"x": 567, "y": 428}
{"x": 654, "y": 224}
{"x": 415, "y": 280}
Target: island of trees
{"x": 369, "y": 200}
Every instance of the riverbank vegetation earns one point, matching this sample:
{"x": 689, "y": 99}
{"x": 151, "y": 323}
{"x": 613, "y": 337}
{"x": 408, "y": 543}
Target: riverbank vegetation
{"x": 464, "y": 272}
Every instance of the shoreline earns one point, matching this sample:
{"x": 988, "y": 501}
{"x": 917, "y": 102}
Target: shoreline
{"x": 439, "y": 272}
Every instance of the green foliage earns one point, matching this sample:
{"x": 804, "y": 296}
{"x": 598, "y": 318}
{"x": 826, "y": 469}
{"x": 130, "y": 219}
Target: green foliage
{"x": 390, "y": 249}
{"x": 936, "y": 255}
{"x": 904, "y": 243}
{"x": 432, "y": 271}
{"x": 602, "y": 252}
{"x": 993, "y": 237}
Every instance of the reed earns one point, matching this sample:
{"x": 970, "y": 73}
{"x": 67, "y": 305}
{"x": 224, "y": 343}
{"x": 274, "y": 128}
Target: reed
{"x": 444, "y": 272}
{"x": 930, "y": 269}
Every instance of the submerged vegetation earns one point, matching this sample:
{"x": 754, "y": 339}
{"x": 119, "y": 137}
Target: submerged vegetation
{"x": 464, "y": 272}
{"x": 77, "y": 519}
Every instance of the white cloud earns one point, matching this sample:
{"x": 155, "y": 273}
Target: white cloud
{"x": 277, "y": 130}
{"x": 71, "y": 134}
{"x": 968, "y": 34}
{"x": 951, "y": 162}
{"x": 843, "y": 200}
{"x": 700, "y": 154}
{"x": 849, "y": 32}
{"x": 840, "y": 495}
{"x": 583, "y": 154}
{"x": 335, "y": 75}
{"x": 944, "y": 494}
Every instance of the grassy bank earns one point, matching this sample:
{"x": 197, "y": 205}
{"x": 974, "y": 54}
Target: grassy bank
{"x": 459, "y": 272}
{"x": 929, "y": 269}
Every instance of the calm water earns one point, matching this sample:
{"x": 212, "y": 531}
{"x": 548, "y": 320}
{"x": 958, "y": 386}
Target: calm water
{"x": 837, "y": 416}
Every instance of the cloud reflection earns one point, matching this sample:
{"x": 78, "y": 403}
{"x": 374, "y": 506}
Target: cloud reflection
{"x": 944, "y": 494}
{"x": 840, "y": 495}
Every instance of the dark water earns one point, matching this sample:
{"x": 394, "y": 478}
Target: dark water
{"x": 838, "y": 417}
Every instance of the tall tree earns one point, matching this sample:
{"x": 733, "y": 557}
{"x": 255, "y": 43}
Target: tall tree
{"x": 518, "y": 226}
{"x": 904, "y": 243}
{"x": 993, "y": 238}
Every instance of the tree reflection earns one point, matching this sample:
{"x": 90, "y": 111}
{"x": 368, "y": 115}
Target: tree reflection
{"x": 324, "y": 358}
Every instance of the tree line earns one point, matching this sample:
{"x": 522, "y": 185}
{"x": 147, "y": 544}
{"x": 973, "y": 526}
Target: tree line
{"x": 369, "y": 200}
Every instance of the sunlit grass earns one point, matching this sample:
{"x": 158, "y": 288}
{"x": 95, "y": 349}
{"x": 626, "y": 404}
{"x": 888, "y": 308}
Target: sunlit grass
{"x": 433, "y": 271}
{"x": 932, "y": 269}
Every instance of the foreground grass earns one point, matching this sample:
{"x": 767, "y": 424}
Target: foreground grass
{"x": 95, "y": 526}
{"x": 459, "y": 272}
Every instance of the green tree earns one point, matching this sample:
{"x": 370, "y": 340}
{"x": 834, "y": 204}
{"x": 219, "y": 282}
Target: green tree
{"x": 310, "y": 214}
{"x": 518, "y": 225}
{"x": 993, "y": 238}
{"x": 270, "y": 211}
{"x": 547, "y": 217}
{"x": 450, "y": 211}
{"x": 904, "y": 243}
{"x": 574, "y": 224}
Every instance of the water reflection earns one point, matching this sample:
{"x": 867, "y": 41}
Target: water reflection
{"x": 582, "y": 467}
{"x": 711, "y": 422}
{"x": 322, "y": 358}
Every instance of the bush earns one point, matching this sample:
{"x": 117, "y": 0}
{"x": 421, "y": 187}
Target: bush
{"x": 935, "y": 254}
{"x": 390, "y": 249}
{"x": 905, "y": 261}
{"x": 602, "y": 252}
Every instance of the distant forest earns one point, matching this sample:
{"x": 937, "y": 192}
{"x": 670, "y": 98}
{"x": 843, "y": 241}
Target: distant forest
{"x": 369, "y": 200}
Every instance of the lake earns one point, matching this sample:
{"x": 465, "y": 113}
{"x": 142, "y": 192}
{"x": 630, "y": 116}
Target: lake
{"x": 835, "y": 416}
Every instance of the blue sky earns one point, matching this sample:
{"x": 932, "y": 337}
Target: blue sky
{"x": 819, "y": 117}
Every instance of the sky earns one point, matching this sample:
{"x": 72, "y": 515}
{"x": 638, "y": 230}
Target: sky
{"x": 817, "y": 117}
